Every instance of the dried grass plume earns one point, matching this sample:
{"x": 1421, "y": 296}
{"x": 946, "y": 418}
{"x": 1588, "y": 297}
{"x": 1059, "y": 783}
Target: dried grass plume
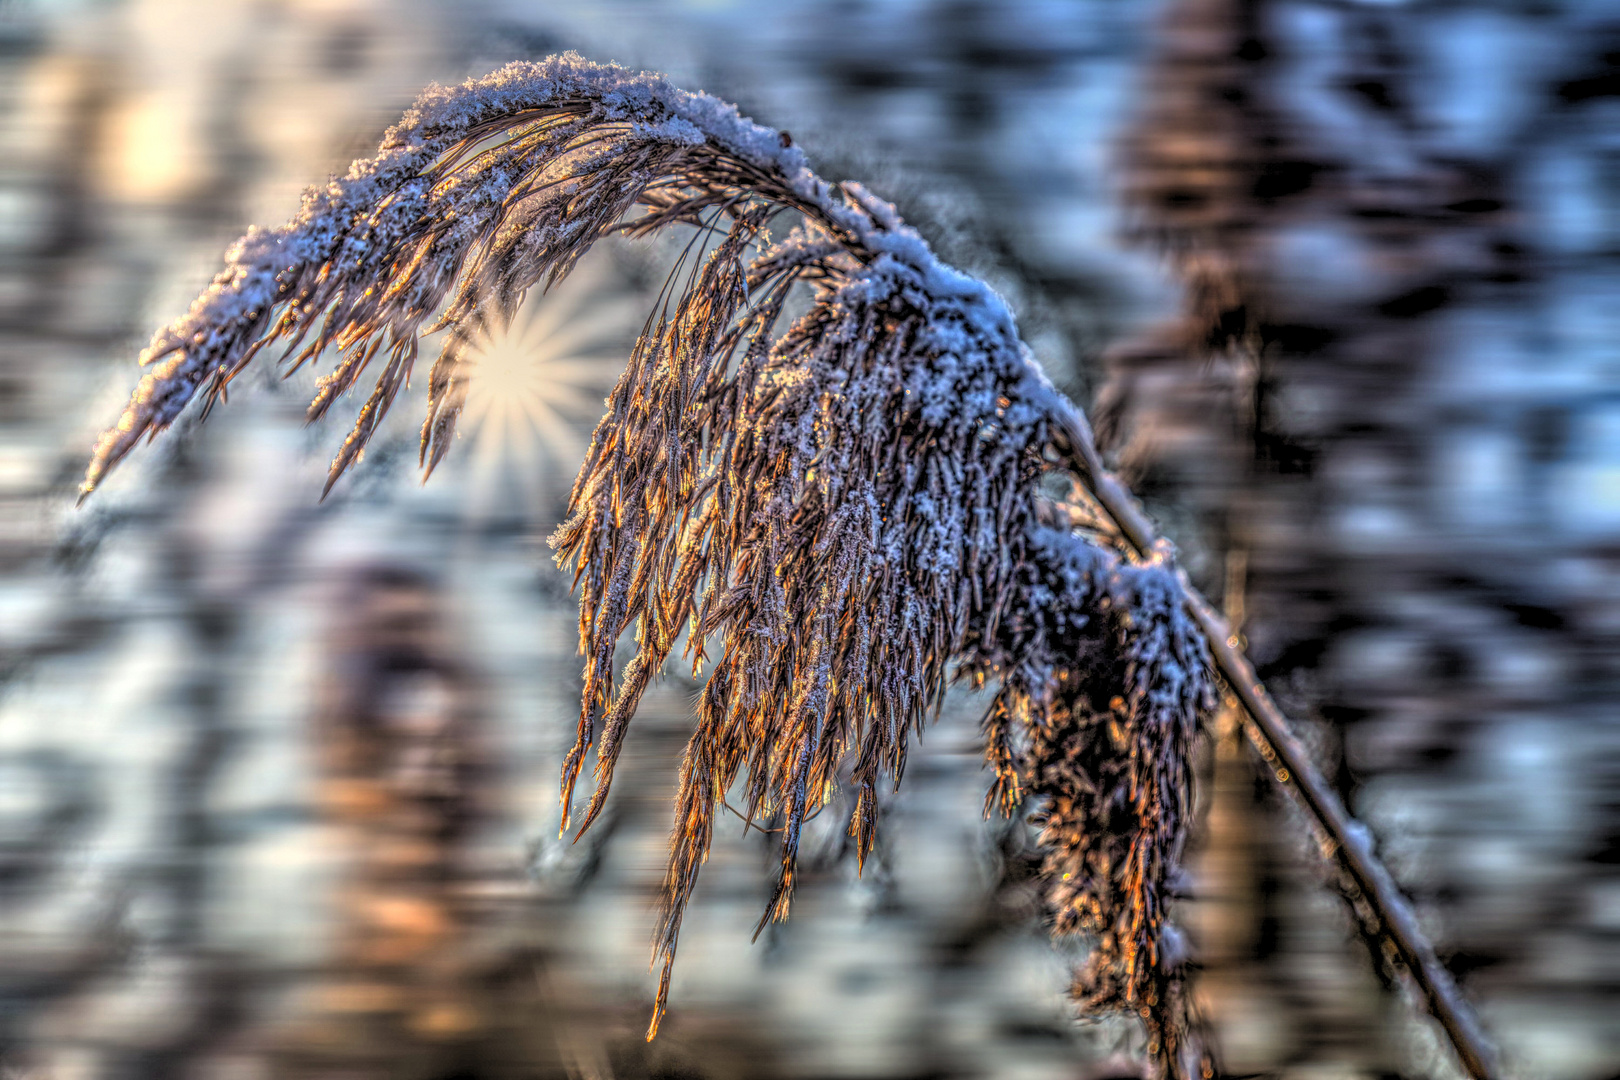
{"x": 833, "y": 516}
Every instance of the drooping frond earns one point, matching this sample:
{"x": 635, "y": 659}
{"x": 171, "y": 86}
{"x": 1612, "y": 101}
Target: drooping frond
{"x": 479, "y": 193}
{"x": 842, "y": 510}
{"x": 1103, "y": 681}
{"x": 831, "y": 507}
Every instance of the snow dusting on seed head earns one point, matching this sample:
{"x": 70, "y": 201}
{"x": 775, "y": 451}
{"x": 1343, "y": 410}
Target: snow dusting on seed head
{"x": 433, "y": 219}
{"x": 844, "y": 510}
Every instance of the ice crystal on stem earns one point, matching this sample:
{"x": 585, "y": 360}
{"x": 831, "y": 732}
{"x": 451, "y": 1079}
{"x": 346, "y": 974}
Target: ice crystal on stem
{"x": 845, "y": 507}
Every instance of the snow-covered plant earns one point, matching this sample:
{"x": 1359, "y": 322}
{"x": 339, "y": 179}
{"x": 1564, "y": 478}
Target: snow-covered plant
{"x": 840, "y": 516}
{"x": 844, "y": 511}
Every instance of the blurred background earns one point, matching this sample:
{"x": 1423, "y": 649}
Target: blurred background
{"x": 1341, "y": 281}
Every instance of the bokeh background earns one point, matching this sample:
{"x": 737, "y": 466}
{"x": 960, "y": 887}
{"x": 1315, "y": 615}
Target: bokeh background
{"x": 277, "y": 775}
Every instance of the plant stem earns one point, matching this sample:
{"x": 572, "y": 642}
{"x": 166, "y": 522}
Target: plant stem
{"x": 1290, "y": 766}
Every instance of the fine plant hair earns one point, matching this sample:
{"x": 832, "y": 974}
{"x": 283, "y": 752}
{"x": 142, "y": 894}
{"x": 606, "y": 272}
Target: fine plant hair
{"x": 834, "y": 518}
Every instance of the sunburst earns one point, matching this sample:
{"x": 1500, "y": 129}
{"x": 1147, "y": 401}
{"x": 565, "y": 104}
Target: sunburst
{"x": 536, "y": 385}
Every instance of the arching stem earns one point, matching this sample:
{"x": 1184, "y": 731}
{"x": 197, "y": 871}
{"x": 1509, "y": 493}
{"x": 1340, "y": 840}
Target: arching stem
{"x": 1288, "y": 762}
